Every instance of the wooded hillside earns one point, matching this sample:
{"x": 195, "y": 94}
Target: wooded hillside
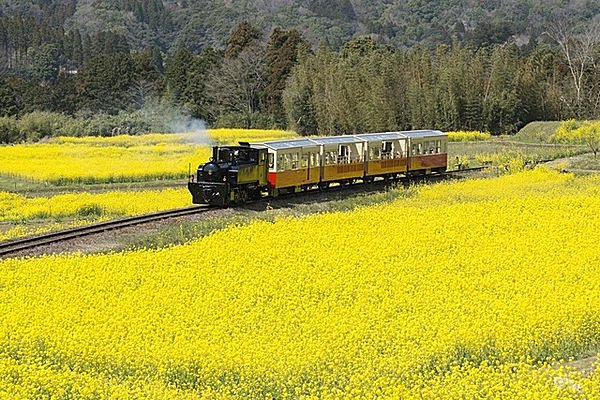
{"x": 315, "y": 66}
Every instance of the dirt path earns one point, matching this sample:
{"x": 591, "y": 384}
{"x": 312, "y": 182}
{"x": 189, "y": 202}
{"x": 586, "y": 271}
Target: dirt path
{"x": 566, "y": 162}
{"x": 585, "y": 365}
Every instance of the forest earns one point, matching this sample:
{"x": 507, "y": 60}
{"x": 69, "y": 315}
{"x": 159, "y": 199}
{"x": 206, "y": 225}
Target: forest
{"x": 98, "y": 67}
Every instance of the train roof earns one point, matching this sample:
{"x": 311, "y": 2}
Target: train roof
{"x": 423, "y": 133}
{"x": 363, "y": 137}
{"x": 285, "y": 144}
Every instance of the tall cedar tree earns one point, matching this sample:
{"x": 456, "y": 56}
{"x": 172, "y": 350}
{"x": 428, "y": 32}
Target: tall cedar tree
{"x": 241, "y": 37}
{"x": 105, "y": 82}
{"x": 281, "y": 56}
{"x": 197, "y": 98}
{"x": 176, "y": 74}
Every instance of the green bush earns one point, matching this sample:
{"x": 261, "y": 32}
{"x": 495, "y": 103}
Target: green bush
{"x": 9, "y": 131}
{"x": 38, "y": 125}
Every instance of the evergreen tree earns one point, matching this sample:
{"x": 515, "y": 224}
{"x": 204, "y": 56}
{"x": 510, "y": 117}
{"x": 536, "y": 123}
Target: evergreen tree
{"x": 176, "y": 74}
{"x": 196, "y": 94}
{"x": 77, "y": 55}
{"x": 43, "y": 63}
{"x": 240, "y": 38}
{"x": 8, "y": 101}
{"x": 104, "y": 84}
{"x": 281, "y": 56}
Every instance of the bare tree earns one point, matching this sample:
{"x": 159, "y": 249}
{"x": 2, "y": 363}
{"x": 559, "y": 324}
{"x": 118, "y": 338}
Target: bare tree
{"x": 579, "y": 52}
{"x": 141, "y": 90}
{"x": 237, "y": 86}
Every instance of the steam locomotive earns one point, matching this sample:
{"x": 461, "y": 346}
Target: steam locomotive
{"x": 235, "y": 174}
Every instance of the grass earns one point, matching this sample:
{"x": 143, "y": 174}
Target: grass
{"x": 537, "y": 132}
{"x": 585, "y": 162}
{"x": 35, "y": 188}
{"x": 474, "y": 152}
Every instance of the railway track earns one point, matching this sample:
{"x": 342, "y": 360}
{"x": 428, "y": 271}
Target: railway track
{"x": 16, "y": 245}
{"x": 29, "y": 242}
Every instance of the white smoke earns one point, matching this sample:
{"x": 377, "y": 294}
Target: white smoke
{"x": 195, "y": 127}
{"x": 164, "y": 117}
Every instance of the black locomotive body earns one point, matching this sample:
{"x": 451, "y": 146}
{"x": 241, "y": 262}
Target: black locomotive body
{"x": 234, "y": 174}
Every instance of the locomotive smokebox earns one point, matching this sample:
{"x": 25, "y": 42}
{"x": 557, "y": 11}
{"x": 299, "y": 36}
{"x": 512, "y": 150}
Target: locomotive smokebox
{"x": 209, "y": 193}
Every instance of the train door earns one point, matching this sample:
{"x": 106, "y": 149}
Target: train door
{"x": 262, "y": 166}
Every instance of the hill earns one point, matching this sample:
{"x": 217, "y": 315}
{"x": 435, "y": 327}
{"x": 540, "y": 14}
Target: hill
{"x": 197, "y": 24}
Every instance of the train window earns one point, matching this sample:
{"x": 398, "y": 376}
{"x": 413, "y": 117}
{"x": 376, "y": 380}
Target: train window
{"x": 280, "y": 165}
{"x": 414, "y": 149}
{"x": 438, "y": 144}
{"x": 286, "y": 162}
{"x": 344, "y": 154}
{"x": 419, "y": 148}
{"x": 387, "y": 150}
{"x": 271, "y": 160}
{"x": 294, "y": 161}
{"x": 304, "y": 161}
{"x": 312, "y": 160}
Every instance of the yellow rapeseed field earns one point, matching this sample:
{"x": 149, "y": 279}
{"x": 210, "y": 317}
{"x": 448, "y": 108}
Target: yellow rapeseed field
{"x": 468, "y": 136}
{"x": 468, "y": 290}
{"x": 122, "y": 158}
{"x": 20, "y": 215}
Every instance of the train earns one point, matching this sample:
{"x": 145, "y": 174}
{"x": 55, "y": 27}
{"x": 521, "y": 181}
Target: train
{"x": 251, "y": 170}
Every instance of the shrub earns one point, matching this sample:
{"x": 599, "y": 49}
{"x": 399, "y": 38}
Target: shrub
{"x": 9, "y": 131}
{"x": 37, "y": 125}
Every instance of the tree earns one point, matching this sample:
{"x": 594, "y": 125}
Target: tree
{"x": 298, "y": 101}
{"x": 8, "y": 101}
{"x": 237, "y": 86}
{"x": 281, "y": 56}
{"x": 241, "y": 37}
{"x": 44, "y": 63}
{"x": 196, "y": 93}
{"x": 63, "y": 96}
{"x": 147, "y": 78}
{"x": 176, "y": 74}
{"x": 105, "y": 82}
{"x": 579, "y": 52}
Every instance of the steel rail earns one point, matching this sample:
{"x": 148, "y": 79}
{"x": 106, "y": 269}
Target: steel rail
{"x": 28, "y": 242}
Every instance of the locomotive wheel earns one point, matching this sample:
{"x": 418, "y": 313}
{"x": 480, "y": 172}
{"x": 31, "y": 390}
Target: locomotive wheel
{"x": 240, "y": 196}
